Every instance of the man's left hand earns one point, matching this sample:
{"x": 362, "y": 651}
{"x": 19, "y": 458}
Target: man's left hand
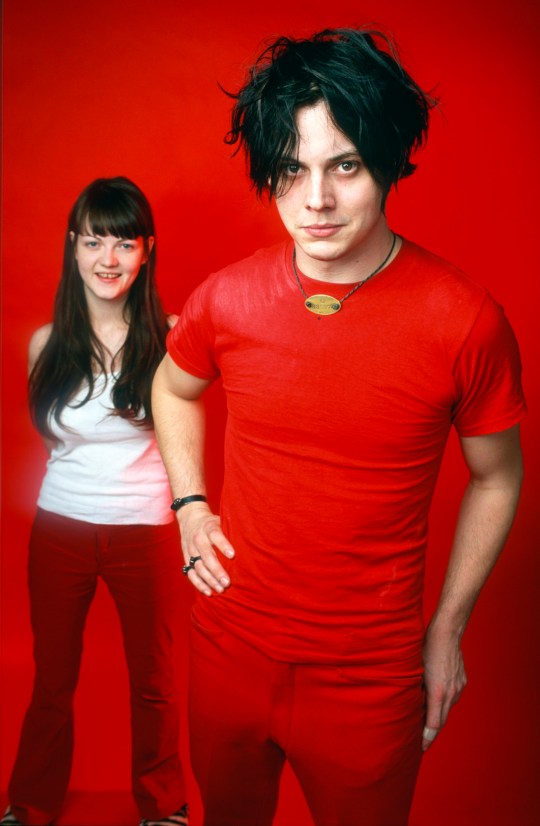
{"x": 445, "y": 679}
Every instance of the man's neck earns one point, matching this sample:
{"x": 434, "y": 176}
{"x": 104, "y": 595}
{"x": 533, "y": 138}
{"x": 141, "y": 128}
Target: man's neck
{"x": 356, "y": 265}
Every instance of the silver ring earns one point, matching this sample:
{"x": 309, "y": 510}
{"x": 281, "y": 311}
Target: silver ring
{"x": 187, "y": 568}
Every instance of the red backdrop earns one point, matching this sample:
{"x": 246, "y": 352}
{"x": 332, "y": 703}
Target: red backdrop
{"x": 131, "y": 88}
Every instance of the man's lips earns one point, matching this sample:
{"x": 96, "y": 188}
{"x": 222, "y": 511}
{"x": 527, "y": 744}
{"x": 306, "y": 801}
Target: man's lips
{"x": 321, "y": 230}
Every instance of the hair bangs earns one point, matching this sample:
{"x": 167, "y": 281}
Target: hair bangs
{"x": 113, "y": 219}
{"x": 112, "y": 206}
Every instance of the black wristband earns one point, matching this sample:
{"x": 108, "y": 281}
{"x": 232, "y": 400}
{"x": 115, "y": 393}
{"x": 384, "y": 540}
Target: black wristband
{"x": 185, "y": 500}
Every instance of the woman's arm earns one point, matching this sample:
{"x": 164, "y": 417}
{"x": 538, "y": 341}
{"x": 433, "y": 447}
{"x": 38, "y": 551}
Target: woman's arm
{"x": 37, "y": 343}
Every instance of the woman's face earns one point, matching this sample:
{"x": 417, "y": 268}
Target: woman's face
{"x": 109, "y": 265}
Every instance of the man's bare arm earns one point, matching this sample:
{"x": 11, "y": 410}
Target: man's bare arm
{"x": 179, "y": 421}
{"x": 486, "y": 514}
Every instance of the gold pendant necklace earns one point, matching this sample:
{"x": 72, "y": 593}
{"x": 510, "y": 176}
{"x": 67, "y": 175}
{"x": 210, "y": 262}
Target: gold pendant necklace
{"x": 322, "y": 304}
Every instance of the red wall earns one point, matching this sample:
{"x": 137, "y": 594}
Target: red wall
{"x": 132, "y": 88}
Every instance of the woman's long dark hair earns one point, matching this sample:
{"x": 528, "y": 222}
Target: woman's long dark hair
{"x": 107, "y": 206}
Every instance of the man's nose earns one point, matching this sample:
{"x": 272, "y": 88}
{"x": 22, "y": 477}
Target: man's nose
{"x": 319, "y": 193}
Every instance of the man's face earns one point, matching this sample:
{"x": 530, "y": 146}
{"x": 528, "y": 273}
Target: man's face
{"x": 331, "y": 205}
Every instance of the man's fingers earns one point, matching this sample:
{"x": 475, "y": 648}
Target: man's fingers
{"x": 434, "y": 716}
{"x": 212, "y": 573}
{"x": 202, "y": 540}
{"x": 439, "y": 704}
{"x": 220, "y": 541}
{"x": 428, "y": 736}
{"x": 199, "y": 583}
{"x": 430, "y": 733}
{"x": 206, "y": 572}
{"x": 207, "y": 537}
{"x": 205, "y": 565}
{"x": 189, "y": 566}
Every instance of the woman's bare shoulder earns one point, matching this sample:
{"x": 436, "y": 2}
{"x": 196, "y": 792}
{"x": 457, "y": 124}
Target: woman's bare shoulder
{"x": 37, "y": 343}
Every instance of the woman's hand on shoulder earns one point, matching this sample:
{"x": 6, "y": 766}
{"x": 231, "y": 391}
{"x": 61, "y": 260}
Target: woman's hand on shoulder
{"x": 37, "y": 343}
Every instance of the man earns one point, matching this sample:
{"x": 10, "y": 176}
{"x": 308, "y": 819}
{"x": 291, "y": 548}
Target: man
{"x": 346, "y": 355}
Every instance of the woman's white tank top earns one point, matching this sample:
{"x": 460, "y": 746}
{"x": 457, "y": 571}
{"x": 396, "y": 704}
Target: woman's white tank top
{"x": 103, "y": 469}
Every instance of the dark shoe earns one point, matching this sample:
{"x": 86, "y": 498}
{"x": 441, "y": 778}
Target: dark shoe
{"x": 9, "y": 819}
{"x": 179, "y": 818}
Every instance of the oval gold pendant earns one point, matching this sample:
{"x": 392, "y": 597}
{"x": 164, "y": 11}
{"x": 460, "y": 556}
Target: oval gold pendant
{"x": 322, "y": 304}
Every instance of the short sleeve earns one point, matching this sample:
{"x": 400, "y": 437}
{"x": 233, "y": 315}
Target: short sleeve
{"x": 191, "y": 341}
{"x": 488, "y": 376}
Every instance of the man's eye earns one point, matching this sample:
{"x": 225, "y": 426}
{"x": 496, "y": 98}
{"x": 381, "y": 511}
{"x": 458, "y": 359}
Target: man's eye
{"x": 291, "y": 169}
{"x": 348, "y": 166}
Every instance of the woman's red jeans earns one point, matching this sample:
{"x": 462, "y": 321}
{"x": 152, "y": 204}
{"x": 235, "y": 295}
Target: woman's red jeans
{"x": 140, "y": 565}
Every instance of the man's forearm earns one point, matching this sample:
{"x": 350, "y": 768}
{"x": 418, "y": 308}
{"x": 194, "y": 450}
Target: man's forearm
{"x": 180, "y": 435}
{"x": 485, "y": 518}
{"x": 180, "y": 422}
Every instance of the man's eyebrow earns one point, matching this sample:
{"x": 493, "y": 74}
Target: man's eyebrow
{"x": 351, "y": 153}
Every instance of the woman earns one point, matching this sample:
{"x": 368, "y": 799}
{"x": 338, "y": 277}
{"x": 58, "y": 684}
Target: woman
{"x": 103, "y": 509}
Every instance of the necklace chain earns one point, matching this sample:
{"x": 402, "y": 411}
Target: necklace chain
{"x": 338, "y": 302}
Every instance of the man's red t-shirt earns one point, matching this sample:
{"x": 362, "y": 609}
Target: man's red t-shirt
{"x": 335, "y": 434}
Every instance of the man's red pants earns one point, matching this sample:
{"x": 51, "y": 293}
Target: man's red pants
{"x": 353, "y": 738}
{"x": 140, "y": 564}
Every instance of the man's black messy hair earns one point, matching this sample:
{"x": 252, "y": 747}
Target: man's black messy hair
{"x": 369, "y": 96}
